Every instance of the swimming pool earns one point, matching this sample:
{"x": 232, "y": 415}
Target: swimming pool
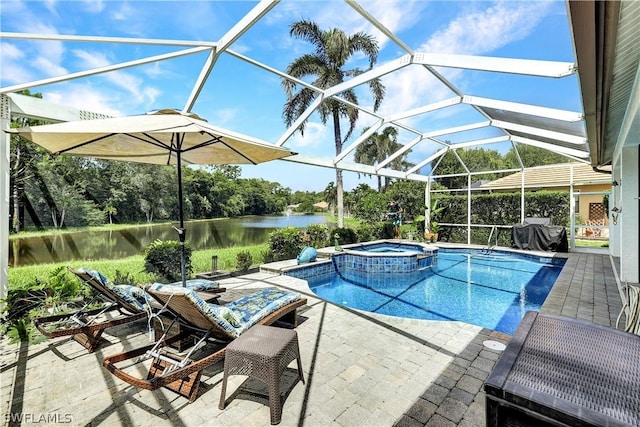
{"x": 489, "y": 290}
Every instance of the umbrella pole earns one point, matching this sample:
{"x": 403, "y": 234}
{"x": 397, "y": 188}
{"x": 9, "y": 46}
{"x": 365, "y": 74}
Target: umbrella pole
{"x": 182, "y": 233}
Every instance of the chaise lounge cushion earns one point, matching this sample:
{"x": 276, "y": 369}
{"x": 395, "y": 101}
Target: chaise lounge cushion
{"x": 133, "y": 295}
{"x": 97, "y": 275}
{"x": 237, "y": 316}
{"x": 250, "y": 309}
{"x": 199, "y": 285}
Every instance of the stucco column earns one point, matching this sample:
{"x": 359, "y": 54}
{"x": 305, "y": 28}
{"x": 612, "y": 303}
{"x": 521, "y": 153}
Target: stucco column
{"x": 628, "y": 216}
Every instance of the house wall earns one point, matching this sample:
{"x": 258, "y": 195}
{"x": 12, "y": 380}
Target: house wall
{"x": 626, "y": 229}
{"x": 586, "y": 199}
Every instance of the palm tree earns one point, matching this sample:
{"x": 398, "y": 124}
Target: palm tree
{"x": 333, "y": 48}
{"x": 377, "y": 148}
{"x": 330, "y": 195}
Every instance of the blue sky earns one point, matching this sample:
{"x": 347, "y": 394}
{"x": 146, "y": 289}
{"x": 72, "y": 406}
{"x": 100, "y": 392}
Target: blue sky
{"x": 247, "y": 99}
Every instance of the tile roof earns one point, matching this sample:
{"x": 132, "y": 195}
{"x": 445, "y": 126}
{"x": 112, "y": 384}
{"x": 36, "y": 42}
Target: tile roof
{"x": 558, "y": 175}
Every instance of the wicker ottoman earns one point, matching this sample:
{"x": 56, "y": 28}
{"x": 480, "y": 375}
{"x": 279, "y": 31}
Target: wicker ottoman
{"x": 263, "y": 353}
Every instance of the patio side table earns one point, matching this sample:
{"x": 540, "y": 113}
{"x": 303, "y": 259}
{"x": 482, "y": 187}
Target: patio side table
{"x": 263, "y": 353}
{"x": 559, "y": 371}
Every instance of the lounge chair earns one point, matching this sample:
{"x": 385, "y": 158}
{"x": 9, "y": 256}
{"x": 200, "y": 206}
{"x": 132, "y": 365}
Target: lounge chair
{"x": 120, "y": 304}
{"x": 211, "y": 324}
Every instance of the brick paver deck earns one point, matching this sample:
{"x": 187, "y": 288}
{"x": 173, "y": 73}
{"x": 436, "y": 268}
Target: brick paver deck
{"x": 361, "y": 369}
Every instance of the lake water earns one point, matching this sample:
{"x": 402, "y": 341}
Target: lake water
{"x": 211, "y": 234}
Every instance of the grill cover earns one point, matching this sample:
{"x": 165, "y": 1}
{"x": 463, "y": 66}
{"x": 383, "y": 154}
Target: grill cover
{"x": 539, "y": 237}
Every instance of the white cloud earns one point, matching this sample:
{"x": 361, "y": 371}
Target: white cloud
{"x": 154, "y": 70}
{"x": 131, "y": 83}
{"x": 223, "y": 117}
{"x": 473, "y": 32}
{"x": 94, "y": 6}
{"x": 49, "y": 67}
{"x": 483, "y": 31}
{"x": 85, "y": 97}
{"x": 14, "y": 73}
{"x": 124, "y": 12}
{"x": 9, "y": 51}
{"x": 315, "y": 135}
{"x": 91, "y": 59}
{"x": 394, "y": 15}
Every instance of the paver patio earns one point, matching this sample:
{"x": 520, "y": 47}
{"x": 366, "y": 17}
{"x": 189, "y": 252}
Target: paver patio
{"x": 361, "y": 369}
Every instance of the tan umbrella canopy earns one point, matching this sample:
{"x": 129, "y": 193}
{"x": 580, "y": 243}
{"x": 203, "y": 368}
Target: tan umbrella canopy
{"x": 162, "y": 137}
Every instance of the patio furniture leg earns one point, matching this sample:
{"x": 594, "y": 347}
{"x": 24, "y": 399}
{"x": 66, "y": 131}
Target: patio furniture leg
{"x": 275, "y": 405}
{"x": 223, "y": 393}
{"x": 90, "y": 340}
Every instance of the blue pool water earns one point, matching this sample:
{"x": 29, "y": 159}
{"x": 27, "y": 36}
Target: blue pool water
{"x": 493, "y": 291}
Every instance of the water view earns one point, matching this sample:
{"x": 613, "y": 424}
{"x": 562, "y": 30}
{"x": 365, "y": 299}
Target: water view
{"x": 219, "y": 233}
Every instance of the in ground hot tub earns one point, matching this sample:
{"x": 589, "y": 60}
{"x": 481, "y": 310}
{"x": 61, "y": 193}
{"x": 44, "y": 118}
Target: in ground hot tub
{"x": 385, "y": 256}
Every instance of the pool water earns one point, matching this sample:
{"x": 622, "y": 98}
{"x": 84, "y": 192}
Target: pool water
{"x": 489, "y": 290}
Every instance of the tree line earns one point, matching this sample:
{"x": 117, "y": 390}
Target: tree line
{"x": 65, "y": 191}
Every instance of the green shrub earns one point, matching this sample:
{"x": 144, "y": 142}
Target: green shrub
{"x": 418, "y": 223}
{"x": 244, "y": 261}
{"x": 59, "y": 292}
{"x": 318, "y": 235}
{"x": 347, "y": 235}
{"x": 286, "y": 243}
{"x": 62, "y": 285}
{"x": 164, "y": 259}
{"x": 124, "y": 278}
{"x": 387, "y": 230}
{"x": 366, "y": 232}
{"x": 268, "y": 256}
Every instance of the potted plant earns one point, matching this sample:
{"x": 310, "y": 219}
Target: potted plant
{"x": 432, "y": 234}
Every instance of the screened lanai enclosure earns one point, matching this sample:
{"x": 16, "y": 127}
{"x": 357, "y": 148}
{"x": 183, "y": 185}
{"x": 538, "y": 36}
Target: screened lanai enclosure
{"x": 490, "y": 78}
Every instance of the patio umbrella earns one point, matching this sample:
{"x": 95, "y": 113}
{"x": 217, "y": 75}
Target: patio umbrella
{"x": 162, "y": 137}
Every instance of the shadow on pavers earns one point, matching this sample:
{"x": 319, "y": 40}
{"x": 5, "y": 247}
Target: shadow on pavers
{"x": 456, "y": 397}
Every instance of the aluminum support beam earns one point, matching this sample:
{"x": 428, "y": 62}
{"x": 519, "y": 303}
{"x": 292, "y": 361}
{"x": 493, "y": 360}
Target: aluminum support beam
{"x": 102, "y": 70}
{"x": 551, "y": 147}
{"x": 549, "y": 113}
{"x": 543, "y": 133}
{"x": 499, "y": 65}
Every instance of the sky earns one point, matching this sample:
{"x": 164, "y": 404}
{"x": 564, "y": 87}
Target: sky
{"x": 248, "y": 99}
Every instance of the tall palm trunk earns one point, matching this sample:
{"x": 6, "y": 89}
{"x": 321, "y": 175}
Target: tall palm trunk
{"x": 17, "y": 217}
{"x": 16, "y": 192}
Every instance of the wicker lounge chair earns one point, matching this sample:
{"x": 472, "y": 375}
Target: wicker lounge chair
{"x": 120, "y": 304}
{"x": 213, "y": 326}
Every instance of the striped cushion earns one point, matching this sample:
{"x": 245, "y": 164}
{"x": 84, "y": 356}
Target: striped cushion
{"x": 97, "y": 275}
{"x": 199, "y": 285}
{"x": 133, "y": 295}
{"x": 218, "y": 314}
{"x": 252, "y": 308}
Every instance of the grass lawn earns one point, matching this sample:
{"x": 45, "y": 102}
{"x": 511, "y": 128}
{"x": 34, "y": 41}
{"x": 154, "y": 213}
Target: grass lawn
{"x": 592, "y": 243}
{"x": 24, "y": 277}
